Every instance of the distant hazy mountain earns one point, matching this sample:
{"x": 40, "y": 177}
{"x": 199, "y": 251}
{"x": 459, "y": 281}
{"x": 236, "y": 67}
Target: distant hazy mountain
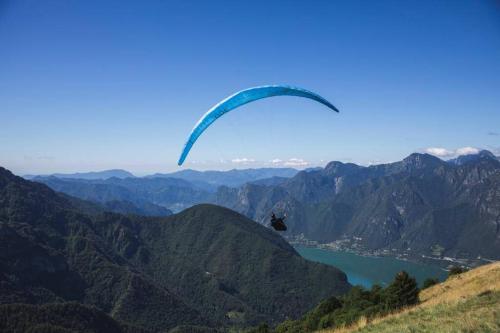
{"x": 117, "y": 173}
{"x": 144, "y": 193}
{"x": 207, "y": 266}
{"x": 421, "y": 204}
{"x": 175, "y": 191}
{"x": 231, "y": 178}
{"x": 117, "y": 206}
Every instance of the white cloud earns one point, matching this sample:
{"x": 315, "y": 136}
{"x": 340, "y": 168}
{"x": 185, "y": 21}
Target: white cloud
{"x": 439, "y": 152}
{"x": 447, "y": 153}
{"x": 375, "y": 162}
{"x": 291, "y": 162}
{"x": 296, "y": 162}
{"x": 467, "y": 151}
{"x": 243, "y": 160}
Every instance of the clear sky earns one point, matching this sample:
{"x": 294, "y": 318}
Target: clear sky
{"x": 91, "y": 85}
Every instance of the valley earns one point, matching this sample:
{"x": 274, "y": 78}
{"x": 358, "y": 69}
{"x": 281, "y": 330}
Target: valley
{"x": 421, "y": 209}
{"x": 165, "y": 253}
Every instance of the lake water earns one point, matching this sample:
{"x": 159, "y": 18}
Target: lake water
{"x": 366, "y": 270}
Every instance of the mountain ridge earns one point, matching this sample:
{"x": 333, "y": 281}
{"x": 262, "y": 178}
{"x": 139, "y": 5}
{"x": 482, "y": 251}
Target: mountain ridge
{"x": 421, "y": 205}
{"x": 104, "y": 174}
{"x": 231, "y": 178}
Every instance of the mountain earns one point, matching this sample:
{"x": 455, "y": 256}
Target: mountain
{"x": 207, "y": 266}
{"x": 419, "y": 206}
{"x": 149, "y": 195}
{"x": 231, "y": 178}
{"x": 60, "y": 318}
{"x": 483, "y": 154}
{"x": 273, "y": 181}
{"x": 117, "y": 173}
{"x": 115, "y": 206}
{"x": 144, "y": 208}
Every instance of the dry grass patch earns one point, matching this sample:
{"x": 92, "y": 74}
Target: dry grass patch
{"x": 469, "y": 302}
{"x": 464, "y": 285}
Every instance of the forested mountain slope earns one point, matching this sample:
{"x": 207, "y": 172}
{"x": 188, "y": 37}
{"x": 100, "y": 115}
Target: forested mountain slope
{"x": 206, "y": 266}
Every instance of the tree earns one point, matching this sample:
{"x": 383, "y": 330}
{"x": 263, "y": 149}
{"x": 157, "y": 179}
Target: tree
{"x": 311, "y": 321}
{"x": 403, "y": 291}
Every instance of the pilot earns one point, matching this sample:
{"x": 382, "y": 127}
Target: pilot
{"x": 278, "y": 223}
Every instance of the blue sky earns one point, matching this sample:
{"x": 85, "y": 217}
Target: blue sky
{"x": 90, "y": 85}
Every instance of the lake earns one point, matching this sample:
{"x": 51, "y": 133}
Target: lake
{"x": 366, "y": 270}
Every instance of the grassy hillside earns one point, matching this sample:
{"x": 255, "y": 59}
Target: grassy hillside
{"x": 469, "y": 302}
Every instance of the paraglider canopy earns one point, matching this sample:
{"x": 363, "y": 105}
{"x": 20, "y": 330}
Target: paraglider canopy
{"x": 243, "y": 97}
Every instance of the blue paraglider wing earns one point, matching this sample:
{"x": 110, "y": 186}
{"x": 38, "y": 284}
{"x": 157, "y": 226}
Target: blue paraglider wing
{"x": 241, "y": 98}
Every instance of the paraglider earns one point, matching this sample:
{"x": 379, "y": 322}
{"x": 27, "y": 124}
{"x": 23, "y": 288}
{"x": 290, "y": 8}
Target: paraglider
{"x": 243, "y": 97}
{"x": 278, "y": 223}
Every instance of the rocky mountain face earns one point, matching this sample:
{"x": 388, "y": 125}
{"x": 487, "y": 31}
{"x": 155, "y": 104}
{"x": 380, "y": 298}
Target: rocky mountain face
{"x": 484, "y": 154}
{"x": 208, "y": 266}
{"x": 421, "y": 204}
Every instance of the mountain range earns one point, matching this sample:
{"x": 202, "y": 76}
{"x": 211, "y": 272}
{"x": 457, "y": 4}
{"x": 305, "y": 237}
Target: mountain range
{"x": 159, "y": 194}
{"x": 208, "y": 266}
{"x": 231, "y": 178}
{"x": 152, "y": 195}
{"x": 105, "y": 174}
{"x": 207, "y": 179}
{"x": 421, "y": 205}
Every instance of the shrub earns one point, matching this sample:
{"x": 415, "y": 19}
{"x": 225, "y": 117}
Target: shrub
{"x": 455, "y": 270}
{"x": 429, "y": 282}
